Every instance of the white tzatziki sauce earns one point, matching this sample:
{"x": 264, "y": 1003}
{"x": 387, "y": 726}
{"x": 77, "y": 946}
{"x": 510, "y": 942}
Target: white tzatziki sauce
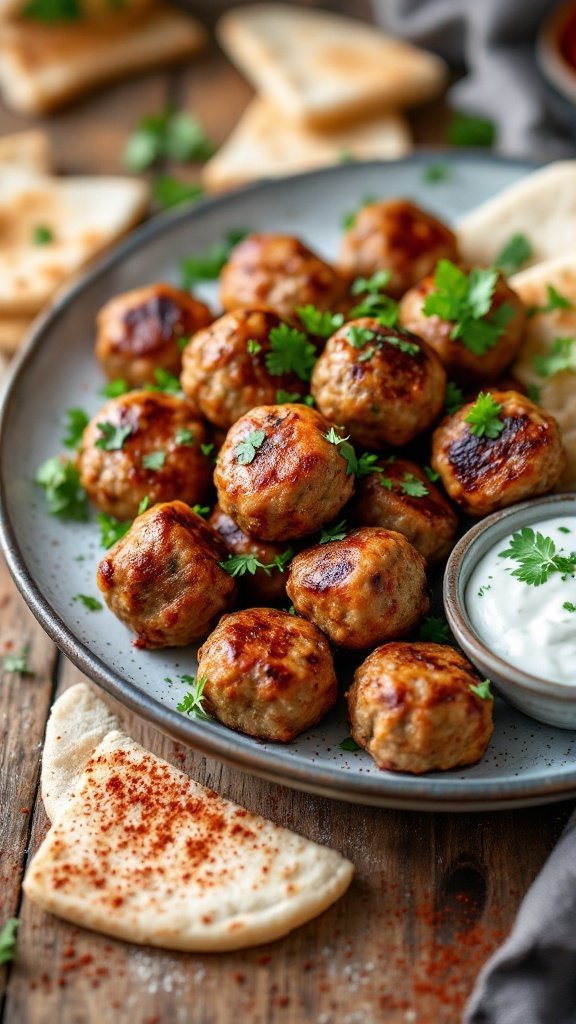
{"x": 531, "y": 627}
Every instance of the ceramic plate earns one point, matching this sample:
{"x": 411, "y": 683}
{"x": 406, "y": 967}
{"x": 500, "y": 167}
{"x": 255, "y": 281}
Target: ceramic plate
{"x": 52, "y": 561}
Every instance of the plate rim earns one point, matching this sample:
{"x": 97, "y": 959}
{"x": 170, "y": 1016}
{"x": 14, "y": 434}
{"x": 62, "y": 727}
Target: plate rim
{"x": 239, "y": 751}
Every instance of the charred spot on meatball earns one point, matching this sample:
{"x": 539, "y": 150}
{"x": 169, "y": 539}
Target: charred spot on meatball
{"x": 143, "y": 331}
{"x": 279, "y": 476}
{"x": 384, "y": 385}
{"x": 415, "y": 708}
{"x": 362, "y": 590}
{"x": 144, "y": 445}
{"x": 396, "y": 236}
{"x": 163, "y": 579}
{"x": 268, "y": 674}
{"x": 481, "y": 473}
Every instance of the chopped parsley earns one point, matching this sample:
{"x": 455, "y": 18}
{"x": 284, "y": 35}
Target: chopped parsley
{"x": 569, "y": 606}
{"x": 112, "y": 436}
{"x": 64, "y": 493}
{"x": 339, "y": 531}
{"x": 484, "y": 589}
{"x": 165, "y": 382}
{"x": 534, "y": 393}
{"x": 192, "y": 702}
{"x": 345, "y": 449}
{"x": 319, "y": 322}
{"x": 90, "y": 603}
{"x": 453, "y": 398}
{"x": 371, "y": 285}
{"x": 239, "y": 565}
{"x": 154, "y": 460}
{"x": 115, "y": 388}
{"x": 470, "y": 130}
{"x": 435, "y": 630}
{"x": 513, "y": 256}
{"x": 8, "y": 940}
{"x": 413, "y": 487}
{"x": 287, "y": 397}
{"x": 465, "y": 300}
{"x": 246, "y": 450}
{"x": 374, "y": 302}
{"x": 253, "y": 347}
{"x": 564, "y": 529}
{"x": 366, "y": 465}
{"x": 184, "y": 437}
{"x": 349, "y": 744}
{"x": 562, "y": 356}
{"x": 168, "y": 192}
{"x": 201, "y": 510}
{"x": 42, "y": 235}
{"x": 554, "y": 301}
{"x": 207, "y": 449}
{"x": 360, "y": 336}
{"x": 144, "y": 505}
{"x": 76, "y": 422}
{"x": 436, "y": 173}
{"x": 111, "y": 529}
{"x": 482, "y": 690}
{"x": 537, "y": 557}
{"x": 169, "y": 135}
{"x": 18, "y": 663}
{"x": 484, "y": 417}
{"x": 207, "y": 266}
{"x": 290, "y": 352}
{"x": 432, "y": 475}
{"x": 349, "y": 219}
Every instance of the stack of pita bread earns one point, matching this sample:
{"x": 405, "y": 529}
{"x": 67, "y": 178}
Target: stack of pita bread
{"x": 328, "y": 87}
{"x": 51, "y": 226}
{"x": 45, "y": 63}
{"x": 139, "y": 851}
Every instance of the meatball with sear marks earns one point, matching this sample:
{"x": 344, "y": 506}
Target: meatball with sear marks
{"x": 362, "y": 590}
{"x": 262, "y": 585}
{"x": 268, "y": 674}
{"x": 278, "y": 476}
{"x": 143, "y": 445}
{"x": 163, "y": 580}
{"x": 418, "y": 708}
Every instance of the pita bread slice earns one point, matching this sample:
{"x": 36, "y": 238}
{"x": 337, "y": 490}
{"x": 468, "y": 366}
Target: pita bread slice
{"x": 141, "y": 852}
{"x": 84, "y": 216}
{"x": 541, "y": 206}
{"x": 321, "y": 68}
{"x": 558, "y": 392}
{"x": 43, "y": 66}
{"x": 26, "y": 149}
{"x": 265, "y": 144}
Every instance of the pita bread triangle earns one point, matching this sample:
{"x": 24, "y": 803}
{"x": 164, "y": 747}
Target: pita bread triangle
{"x": 139, "y": 851}
{"x": 321, "y": 68}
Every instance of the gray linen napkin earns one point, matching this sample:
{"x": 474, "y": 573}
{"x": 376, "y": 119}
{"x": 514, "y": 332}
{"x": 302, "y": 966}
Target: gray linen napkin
{"x": 494, "y": 40}
{"x": 531, "y": 979}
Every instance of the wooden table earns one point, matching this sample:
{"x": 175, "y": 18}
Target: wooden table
{"x": 433, "y": 894}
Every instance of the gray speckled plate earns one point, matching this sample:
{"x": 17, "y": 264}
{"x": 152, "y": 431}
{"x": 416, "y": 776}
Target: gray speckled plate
{"x": 52, "y": 561}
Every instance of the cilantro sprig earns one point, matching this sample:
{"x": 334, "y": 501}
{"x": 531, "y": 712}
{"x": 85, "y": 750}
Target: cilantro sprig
{"x": 339, "y": 531}
{"x": 289, "y": 398}
{"x": 115, "y": 388}
{"x": 91, "y": 604}
{"x": 290, "y": 352}
{"x": 484, "y": 417}
{"x": 562, "y": 356}
{"x": 482, "y": 689}
{"x": 192, "y": 702}
{"x": 239, "y": 565}
{"x": 154, "y": 461}
{"x": 514, "y": 254}
{"x": 319, "y": 322}
{"x": 359, "y": 336}
{"x": 374, "y": 302}
{"x": 435, "y": 630}
{"x": 65, "y": 495}
{"x": 111, "y": 529}
{"x": 207, "y": 265}
{"x": 554, "y": 300}
{"x": 246, "y": 449}
{"x": 168, "y": 192}
{"x": 465, "y": 300}
{"x": 454, "y": 397}
{"x": 168, "y": 135}
{"x": 537, "y": 557}
{"x": 76, "y": 422}
{"x": 166, "y": 383}
{"x": 8, "y": 940}
{"x": 113, "y": 436}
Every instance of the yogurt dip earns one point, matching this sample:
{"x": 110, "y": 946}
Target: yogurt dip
{"x": 531, "y": 626}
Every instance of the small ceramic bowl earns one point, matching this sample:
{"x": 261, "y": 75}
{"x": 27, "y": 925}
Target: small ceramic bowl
{"x": 553, "y": 703}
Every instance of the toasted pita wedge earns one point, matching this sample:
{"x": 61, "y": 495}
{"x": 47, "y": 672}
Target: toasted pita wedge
{"x": 83, "y": 215}
{"x": 265, "y": 144}
{"x": 26, "y": 149}
{"x": 44, "y": 66}
{"x": 140, "y": 851}
{"x": 322, "y": 69}
{"x": 541, "y": 206}
{"x": 557, "y": 392}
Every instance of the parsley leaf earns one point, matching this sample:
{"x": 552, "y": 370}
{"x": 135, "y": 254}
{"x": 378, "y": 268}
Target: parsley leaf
{"x": 112, "y": 436}
{"x": 184, "y": 437}
{"x": 514, "y": 254}
{"x": 349, "y": 219}
{"x": 345, "y": 449}
{"x": 154, "y": 460}
{"x": 207, "y": 450}
{"x": 435, "y": 173}
{"x": 201, "y": 510}
{"x": 111, "y": 529}
{"x": 432, "y": 475}
{"x": 90, "y": 603}
{"x": 435, "y": 630}
{"x": 144, "y": 505}
{"x": 319, "y": 322}
{"x": 192, "y": 701}
{"x": 371, "y": 285}
{"x": 534, "y": 393}
{"x": 169, "y": 192}
{"x": 246, "y": 450}
{"x": 337, "y": 532}
{"x": 482, "y": 689}
{"x": 359, "y": 336}
{"x": 64, "y": 493}
{"x": 554, "y": 301}
{"x": 374, "y": 303}
{"x": 207, "y": 267}
{"x": 290, "y": 352}
{"x": 115, "y": 388}
{"x": 562, "y": 356}
{"x": 367, "y": 465}
{"x": 253, "y": 347}
{"x": 172, "y": 135}
{"x": 8, "y": 940}
{"x": 470, "y": 130}
{"x": 453, "y": 398}
{"x": 349, "y": 744}
{"x": 413, "y": 487}
{"x": 287, "y": 397}
{"x": 76, "y": 422}
{"x": 165, "y": 382}
{"x": 465, "y": 301}
{"x": 51, "y": 11}
{"x": 484, "y": 417}
{"x": 42, "y": 235}
{"x": 569, "y": 606}
{"x": 18, "y": 663}
{"x": 537, "y": 557}
{"x": 239, "y": 565}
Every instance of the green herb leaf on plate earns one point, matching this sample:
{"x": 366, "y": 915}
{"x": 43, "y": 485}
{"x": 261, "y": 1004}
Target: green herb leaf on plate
{"x": 561, "y": 357}
{"x": 512, "y": 257}
{"x": 555, "y": 300}
{"x": 192, "y": 702}
{"x": 90, "y": 603}
{"x": 76, "y": 422}
{"x": 470, "y": 130}
{"x": 64, "y": 493}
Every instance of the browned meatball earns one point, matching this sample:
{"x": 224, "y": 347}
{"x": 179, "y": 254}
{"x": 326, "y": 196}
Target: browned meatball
{"x": 142, "y": 331}
{"x": 412, "y": 708}
{"x": 383, "y": 385}
{"x": 397, "y": 236}
{"x": 361, "y": 590}
{"x": 266, "y": 586}
{"x": 224, "y": 367}
{"x": 483, "y": 474}
{"x": 278, "y": 476}
{"x": 402, "y": 498}
{"x": 267, "y": 674}
{"x": 162, "y": 579}
{"x": 459, "y": 360}
{"x": 144, "y": 444}
{"x": 282, "y": 273}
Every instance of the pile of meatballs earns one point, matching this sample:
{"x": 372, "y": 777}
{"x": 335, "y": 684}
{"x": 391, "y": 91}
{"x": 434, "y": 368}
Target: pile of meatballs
{"x": 283, "y": 461}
